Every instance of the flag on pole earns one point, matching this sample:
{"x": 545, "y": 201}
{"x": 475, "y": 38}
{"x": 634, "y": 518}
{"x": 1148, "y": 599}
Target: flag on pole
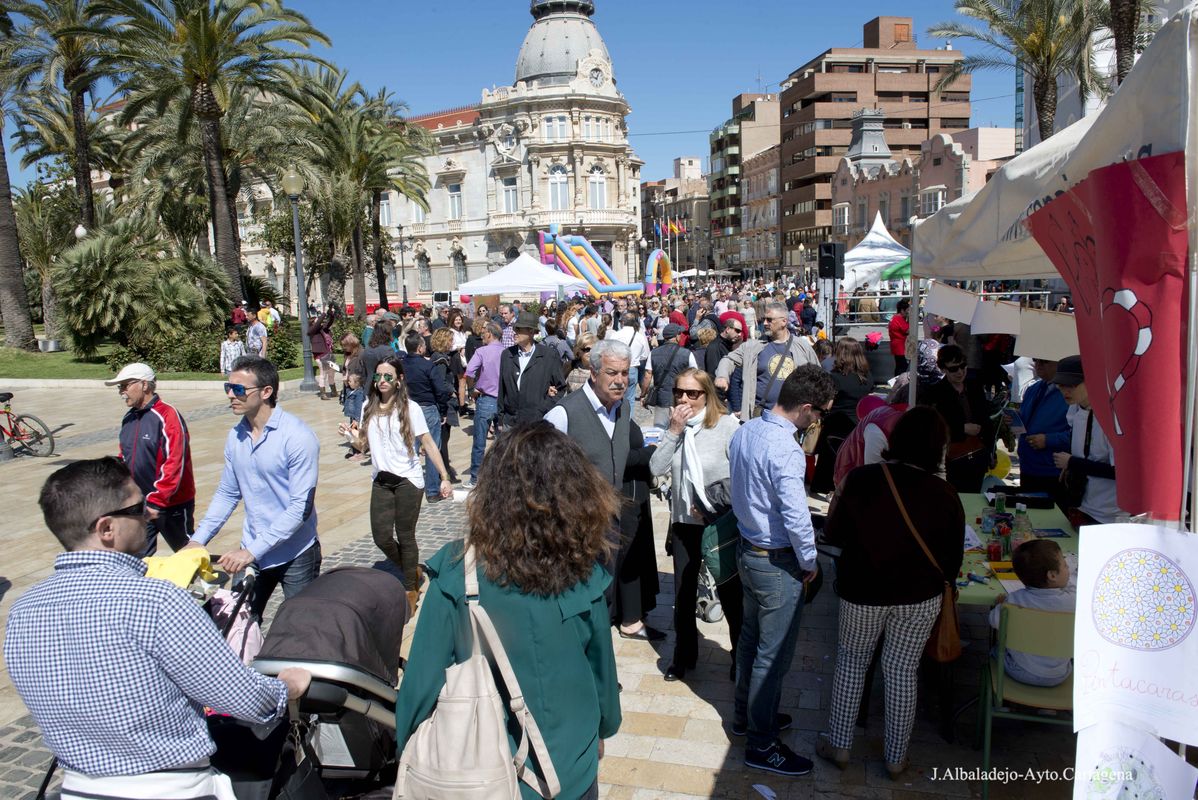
{"x": 656, "y": 229}
{"x": 682, "y": 226}
{"x": 673, "y": 226}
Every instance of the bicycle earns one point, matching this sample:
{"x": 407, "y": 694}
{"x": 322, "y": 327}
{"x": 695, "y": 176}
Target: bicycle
{"x": 25, "y": 430}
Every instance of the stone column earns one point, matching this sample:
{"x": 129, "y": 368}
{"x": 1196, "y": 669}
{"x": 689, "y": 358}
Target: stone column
{"x": 621, "y": 182}
{"x": 533, "y": 179}
{"x": 579, "y": 179}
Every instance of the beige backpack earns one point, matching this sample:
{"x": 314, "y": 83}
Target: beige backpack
{"x": 461, "y": 752}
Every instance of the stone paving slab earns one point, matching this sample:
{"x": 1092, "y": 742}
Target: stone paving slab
{"x": 675, "y": 741}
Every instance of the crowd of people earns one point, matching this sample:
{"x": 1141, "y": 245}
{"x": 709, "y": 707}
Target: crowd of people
{"x": 581, "y": 411}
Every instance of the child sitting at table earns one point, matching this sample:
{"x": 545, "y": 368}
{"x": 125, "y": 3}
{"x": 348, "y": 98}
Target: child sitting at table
{"x": 1043, "y": 570}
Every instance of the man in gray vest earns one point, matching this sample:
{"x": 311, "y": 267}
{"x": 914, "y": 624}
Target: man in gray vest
{"x": 600, "y": 420}
{"x": 665, "y": 361}
{"x": 767, "y": 364}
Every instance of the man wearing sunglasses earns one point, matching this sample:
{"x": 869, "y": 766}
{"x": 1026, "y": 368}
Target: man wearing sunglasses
{"x": 271, "y": 462}
{"x": 766, "y": 364}
{"x": 156, "y": 447}
{"x": 116, "y": 669}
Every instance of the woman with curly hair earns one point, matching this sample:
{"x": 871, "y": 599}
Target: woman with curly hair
{"x": 541, "y": 584}
{"x": 581, "y": 373}
{"x": 395, "y": 428}
{"x": 449, "y": 370}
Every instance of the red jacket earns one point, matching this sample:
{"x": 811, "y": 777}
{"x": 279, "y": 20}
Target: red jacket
{"x": 156, "y": 447}
{"x": 899, "y": 328}
{"x": 852, "y": 452}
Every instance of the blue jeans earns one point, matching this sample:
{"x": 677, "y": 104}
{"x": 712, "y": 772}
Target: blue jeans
{"x": 773, "y": 606}
{"x": 432, "y": 478}
{"x": 294, "y": 575}
{"x": 630, "y": 392}
{"x": 486, "y": 408}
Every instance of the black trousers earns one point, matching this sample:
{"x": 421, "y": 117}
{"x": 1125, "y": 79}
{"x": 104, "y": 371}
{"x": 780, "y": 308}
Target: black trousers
{"x": 688, "y": 559}
{"x": 393, "y": 516}
{"x": 175, "y": 523}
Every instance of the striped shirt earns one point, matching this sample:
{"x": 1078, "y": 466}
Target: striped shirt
{"x": 117, "y": 668}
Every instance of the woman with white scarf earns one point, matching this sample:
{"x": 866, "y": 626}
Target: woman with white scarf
{"x": 694, "y": 451}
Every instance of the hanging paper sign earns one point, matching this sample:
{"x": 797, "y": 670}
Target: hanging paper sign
{"x": 1134, "y": 641}
{"x": 995, "y": 316}
{"x": 1115, "y": 762}
{"x": 949, "y": 301}
{"x": 1046, "y": 334}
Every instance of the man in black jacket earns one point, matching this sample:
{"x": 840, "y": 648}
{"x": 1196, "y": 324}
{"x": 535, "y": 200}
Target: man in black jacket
{"x": 426, "y": 390}
{"x": 530, "y": 375}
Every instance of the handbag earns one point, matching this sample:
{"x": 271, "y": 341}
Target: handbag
{"x": 1075, "y": 482}
{"x": 462, "y": 750}
{"x": 718, "y": 545}
{"x": 944, "y": 643}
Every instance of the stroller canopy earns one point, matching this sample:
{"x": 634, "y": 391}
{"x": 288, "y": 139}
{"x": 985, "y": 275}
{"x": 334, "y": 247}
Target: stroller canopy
{"x": 349, "y": 615}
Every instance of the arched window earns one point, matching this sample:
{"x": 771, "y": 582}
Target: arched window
{"x": 424, "y": 268}
{"x": 512, "y": 253}
{"x": 459, "y": 267}
{"x": 597, "y": 188}
{"x": 559, "y": 189}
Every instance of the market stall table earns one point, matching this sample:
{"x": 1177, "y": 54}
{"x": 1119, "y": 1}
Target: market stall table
{"x": 987, "y": 594}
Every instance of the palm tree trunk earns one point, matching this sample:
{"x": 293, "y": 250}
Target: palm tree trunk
{"x": 14, "y": 301}
{"x": 203, "y": 243}
{"x": 83, "y": 170}
{"x": 1044, "y": 94}
{"x": 336, "y": 274}
{"x": 223, "y": 221}
{"x": 359, "y": 274}
{"x": 50, "y": 309}
{"x": 376, "y": 202}
{"x": 1125, "y": 23}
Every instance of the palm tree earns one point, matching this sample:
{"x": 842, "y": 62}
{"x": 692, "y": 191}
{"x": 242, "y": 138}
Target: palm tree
{"x": 47, "y": 228}
{"x": 14, "y": 300}
{"x": 1130, "y": 31}
{"x": 1046, "y": 38}
{"x": 46, "y": 129}
{"x": 195, "y": 54}
{"x": 56, "y": 49}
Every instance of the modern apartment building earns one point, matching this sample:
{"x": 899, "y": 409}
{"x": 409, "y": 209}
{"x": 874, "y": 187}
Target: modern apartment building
{"x": 683, "y": 197}
{"x": 818, "y": 100}
{"x": 752, "y": 128}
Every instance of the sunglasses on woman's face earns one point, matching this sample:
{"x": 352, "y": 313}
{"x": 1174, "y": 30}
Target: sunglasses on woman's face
{"x": 690, "y": 394}
{"x": 954, "y": 367}
{"x": 383, "y": 377}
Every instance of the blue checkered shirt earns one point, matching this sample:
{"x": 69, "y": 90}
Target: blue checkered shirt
{"x": 117, "y": 668}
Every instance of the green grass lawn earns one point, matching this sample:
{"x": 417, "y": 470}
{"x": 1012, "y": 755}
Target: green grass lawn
{"x": 66, "y": 365}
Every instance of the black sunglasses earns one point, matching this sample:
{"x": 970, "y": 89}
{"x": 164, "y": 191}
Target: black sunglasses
{"x": 953, "y": 367}
{"x": 586, "y": 349}
{"x": 239, "y": 390}
{"x": 691, "y": 394}
{"x": 138, "y": 509}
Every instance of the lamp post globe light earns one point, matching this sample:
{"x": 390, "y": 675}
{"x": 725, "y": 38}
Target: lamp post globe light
{"x": 293, "y": 185}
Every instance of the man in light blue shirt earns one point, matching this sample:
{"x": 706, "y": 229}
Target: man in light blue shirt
{"x": 776, "y": 557}
{"x": 271, "y": 461}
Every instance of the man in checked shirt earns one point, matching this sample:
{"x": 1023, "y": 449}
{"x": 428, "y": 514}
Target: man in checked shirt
{"x": 117, "y": 668}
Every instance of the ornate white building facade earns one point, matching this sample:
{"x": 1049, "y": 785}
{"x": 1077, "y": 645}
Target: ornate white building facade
{"x": 550, "y": 148}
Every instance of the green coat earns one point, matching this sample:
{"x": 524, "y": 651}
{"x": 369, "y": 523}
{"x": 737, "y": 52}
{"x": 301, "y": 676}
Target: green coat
{"x": 560, "y": 648}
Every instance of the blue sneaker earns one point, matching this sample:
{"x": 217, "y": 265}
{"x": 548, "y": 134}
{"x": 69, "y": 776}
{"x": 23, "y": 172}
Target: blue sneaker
{"x": 779, "y": 759}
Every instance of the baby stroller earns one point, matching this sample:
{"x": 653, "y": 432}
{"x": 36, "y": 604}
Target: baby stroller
{"x": 346, "y": 628}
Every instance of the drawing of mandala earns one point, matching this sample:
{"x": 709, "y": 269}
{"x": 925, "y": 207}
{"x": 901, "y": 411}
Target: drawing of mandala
{"x": 1123, "y": 775}
{"x": 1143, "y": 601}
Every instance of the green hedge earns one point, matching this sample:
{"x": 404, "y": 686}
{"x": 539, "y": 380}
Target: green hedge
{"x": 199, "y": 350}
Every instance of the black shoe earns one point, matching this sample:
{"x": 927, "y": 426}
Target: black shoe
{"x": 783, "y": 721}
{"x": 777, "y": 758}
{"x": 674, "y": 673}
{"x": 645, "y": 634}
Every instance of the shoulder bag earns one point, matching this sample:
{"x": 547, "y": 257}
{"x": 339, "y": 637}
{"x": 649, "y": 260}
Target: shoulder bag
{"x": 944, "y": 644}
{"x": 462, "y": 749}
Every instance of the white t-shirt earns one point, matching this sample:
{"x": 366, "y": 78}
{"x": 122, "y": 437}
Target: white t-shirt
{"x": 636, "y": 342}
{"x": 1099, "y": 501}
{"x": 388, "y": 453}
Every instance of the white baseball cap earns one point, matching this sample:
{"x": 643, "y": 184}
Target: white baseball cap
{"x": 132, "y": 372}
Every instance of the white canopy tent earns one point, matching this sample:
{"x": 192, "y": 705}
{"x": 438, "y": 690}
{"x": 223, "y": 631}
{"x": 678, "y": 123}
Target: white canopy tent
{"x": 878, "y": 251}
{"x": 695, "y": 272}
{"x": 984, "y": 236}
{"x": 525, "y": 275}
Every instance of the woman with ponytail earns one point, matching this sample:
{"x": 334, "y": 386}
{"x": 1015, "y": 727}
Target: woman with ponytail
{"x": 394, "y": 425}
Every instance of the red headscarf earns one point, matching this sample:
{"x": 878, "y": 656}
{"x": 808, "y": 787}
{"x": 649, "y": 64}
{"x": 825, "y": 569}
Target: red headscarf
{"x": 736, "y": 315}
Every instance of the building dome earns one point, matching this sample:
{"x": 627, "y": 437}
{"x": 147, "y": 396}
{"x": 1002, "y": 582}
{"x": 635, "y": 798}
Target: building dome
{"x": 562, "y": 34}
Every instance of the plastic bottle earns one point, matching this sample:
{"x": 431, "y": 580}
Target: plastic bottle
{"x": 987, "y": 524}
{"x": 1000, "y": 503}
{"x": 1022, "y": 529}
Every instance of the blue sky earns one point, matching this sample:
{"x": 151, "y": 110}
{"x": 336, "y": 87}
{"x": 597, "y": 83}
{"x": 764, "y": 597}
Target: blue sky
{"x": 678, "y": 63}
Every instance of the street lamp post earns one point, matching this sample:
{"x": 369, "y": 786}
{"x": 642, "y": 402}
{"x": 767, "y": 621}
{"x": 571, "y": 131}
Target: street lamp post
{"x": 293, "y": 185}
{"x": 403, "y": 270}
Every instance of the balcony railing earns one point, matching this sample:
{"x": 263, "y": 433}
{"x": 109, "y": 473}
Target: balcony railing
{"x": 453, "y": 225}
{"x": 589, "y": 216}
{"x": 506, "y": 220}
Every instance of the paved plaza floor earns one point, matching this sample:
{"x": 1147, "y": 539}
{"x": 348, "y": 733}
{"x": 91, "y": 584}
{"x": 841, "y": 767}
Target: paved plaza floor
{"x": 675, "y": 740}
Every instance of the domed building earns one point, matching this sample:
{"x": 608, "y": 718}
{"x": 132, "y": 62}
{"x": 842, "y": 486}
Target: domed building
{"x": 550, "y": 148}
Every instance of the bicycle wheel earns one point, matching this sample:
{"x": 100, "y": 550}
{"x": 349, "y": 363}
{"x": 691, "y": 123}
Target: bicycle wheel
{"x": 32, "y": 434}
